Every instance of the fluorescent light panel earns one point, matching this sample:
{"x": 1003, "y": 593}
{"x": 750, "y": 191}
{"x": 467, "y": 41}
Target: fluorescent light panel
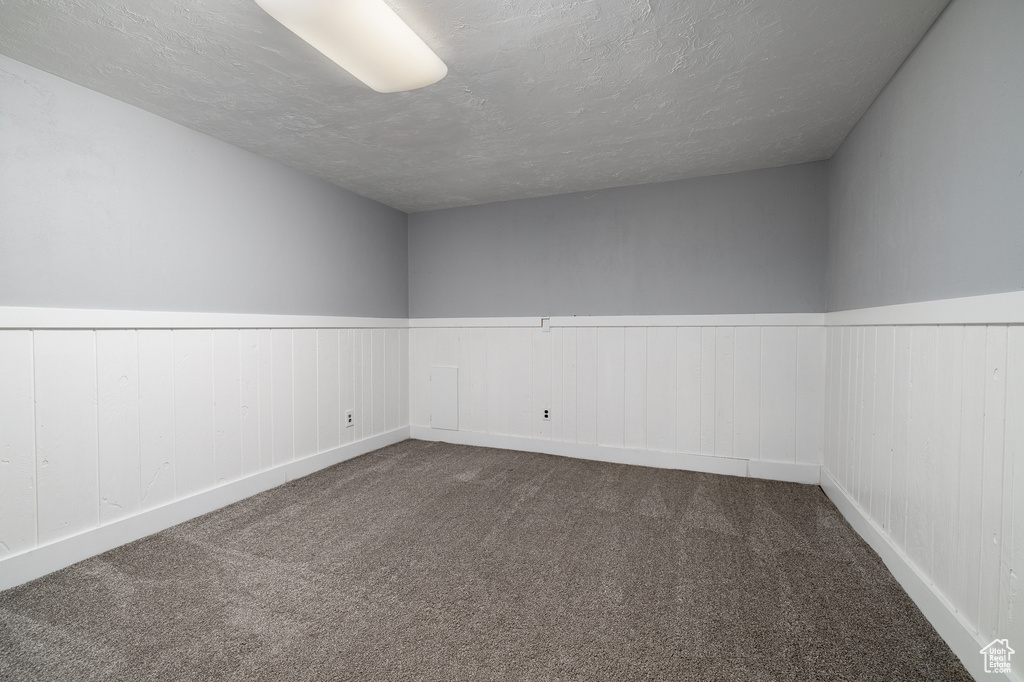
{"x": 364, "y": 37}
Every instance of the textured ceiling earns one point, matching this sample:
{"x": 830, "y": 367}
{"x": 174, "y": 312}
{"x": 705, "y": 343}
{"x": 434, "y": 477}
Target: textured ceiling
{"x": 542, "y": 96}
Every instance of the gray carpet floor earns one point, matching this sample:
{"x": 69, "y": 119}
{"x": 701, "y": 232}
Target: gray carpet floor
{"x": 428, "y": 561}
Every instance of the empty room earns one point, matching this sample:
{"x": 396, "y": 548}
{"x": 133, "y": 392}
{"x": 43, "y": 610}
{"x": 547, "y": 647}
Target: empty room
{"x": 524, "y": 340}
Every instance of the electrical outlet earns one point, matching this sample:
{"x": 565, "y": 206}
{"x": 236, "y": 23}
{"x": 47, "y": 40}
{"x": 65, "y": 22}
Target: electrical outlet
{"x": 547, "y": 415}
{"x": 348, "y": 418}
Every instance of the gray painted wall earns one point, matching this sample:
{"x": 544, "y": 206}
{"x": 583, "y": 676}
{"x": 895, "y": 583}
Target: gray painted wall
{"x": 927, "y": 192}
{"x": 741, "y": 243}
{"x": 103, "y": 205}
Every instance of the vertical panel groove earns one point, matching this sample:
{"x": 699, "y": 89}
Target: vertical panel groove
{"x": 317, "y": 447}
{"x": 796, "y": 388}
{"x": 174, "y": 420}
{"x": 35, "y": 444}
{"x": 291, "y": 352}
{"x": 213, "y": 401}
{"x": 96, "y": 416}
{"x": 138, "y": 425}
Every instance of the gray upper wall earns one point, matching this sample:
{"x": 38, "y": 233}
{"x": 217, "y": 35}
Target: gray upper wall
{"x": 927, "y": 192}
{"x": 105, "y": 206}
{"x": 749, "y": 242}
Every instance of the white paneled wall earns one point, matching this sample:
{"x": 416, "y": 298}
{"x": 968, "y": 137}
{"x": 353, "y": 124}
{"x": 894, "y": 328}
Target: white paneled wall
{"x": 743, "y": 392}
{"x": 100, "y": 425}
{"x": 916, "y": 420}
{"x": 925, "y": 433}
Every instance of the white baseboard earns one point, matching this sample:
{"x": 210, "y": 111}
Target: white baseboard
{"x": 39, "y": 561}
{"x": 784, "y": 471}
{"x": 940, "y": 613}
{"x": 776, "y": 471}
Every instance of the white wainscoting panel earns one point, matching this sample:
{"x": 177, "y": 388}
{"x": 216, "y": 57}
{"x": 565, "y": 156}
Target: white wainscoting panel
{"x": 156, "y": 416}
{"x": 346, "y": 377}
{"x": 17, "y": 443}
{"x": 563, "y": 419}
{"x": 117, "y": 409}
{"x": 328, "y": 385}
{"x": 378, "y": 377}
{"x": 925, "y": 433}
{"x": 282, "y": 372}
{"x": 305, "y": 394}
{"x": 227, "y": 401}
{"x": 360, "y": 376}
{"x": 195, "y": 462}
{"x": 688, "y": 389}
{"x": 67, "y": 460}
{"x": 249, "y": 399}
{"x": 661, "y": 389}
{"x": 444, "y": 398}
{"x": 746, "y": 393}
{"x": 110, "y": 427}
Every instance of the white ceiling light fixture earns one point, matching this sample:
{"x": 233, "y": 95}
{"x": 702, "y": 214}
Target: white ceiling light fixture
{"x": 364, "y": 37}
